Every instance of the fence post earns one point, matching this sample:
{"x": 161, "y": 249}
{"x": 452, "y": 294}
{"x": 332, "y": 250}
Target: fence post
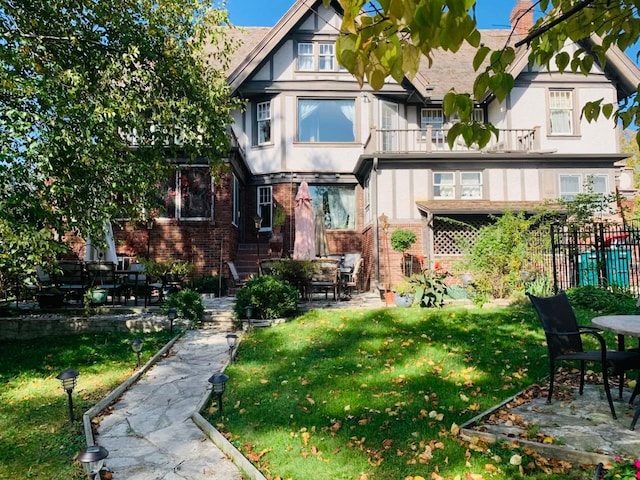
{"x": 601, "y": 254}
{"x": 553, "y": 259}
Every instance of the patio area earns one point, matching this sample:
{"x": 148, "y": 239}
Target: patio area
{"x": 573, "y": 428}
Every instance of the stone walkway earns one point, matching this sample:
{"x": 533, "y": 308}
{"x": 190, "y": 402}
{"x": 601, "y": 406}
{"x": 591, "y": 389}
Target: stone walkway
{"x": 149, "y": 432}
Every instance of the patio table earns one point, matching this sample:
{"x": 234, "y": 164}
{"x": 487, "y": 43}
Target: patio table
{"x": 622, "y": 325}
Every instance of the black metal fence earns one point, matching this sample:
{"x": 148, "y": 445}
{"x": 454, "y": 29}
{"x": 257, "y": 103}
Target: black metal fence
{"x": 596, "y": 254}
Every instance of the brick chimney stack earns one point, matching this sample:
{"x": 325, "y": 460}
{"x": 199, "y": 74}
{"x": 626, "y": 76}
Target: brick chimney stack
{"x": 522, "y": 17}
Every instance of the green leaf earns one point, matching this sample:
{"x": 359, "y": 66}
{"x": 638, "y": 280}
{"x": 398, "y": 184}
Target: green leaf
{"x": 562, "y": 60}
{"x": 480, "y": 56}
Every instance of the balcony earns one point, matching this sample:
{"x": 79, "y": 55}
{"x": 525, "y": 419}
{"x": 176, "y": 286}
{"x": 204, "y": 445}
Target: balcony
{"x": 431, "y": 140}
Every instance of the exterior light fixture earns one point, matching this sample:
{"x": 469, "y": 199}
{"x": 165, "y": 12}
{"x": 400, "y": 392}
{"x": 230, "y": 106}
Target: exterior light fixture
{"x": 248, "y": 312}
{"x": 257, "y": 221}
{"x": 232, "y": 341}
{"x": 219, "y": 382}
{"x": 92, "y": 459}
{"x": 172, "y": 314}
{"x": 68, "y": 379}
{"x": 136, "y": 346}
{"x": 384, "y": 222}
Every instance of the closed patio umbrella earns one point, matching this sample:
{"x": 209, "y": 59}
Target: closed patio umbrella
{"x": 322, "y": 244}
{"x": 304, "y": 247}
{"x": 93, "y": 253}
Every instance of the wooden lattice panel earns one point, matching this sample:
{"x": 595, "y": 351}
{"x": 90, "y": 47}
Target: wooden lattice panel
{"x": 450, "y": 231}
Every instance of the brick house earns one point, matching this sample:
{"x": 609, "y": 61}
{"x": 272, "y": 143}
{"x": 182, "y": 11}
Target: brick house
{"x": 365, "y": 153}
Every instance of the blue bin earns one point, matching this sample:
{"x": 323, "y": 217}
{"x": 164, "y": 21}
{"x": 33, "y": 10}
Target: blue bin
{"x": 617, "y": 259}
{"x": 587, "y": 269}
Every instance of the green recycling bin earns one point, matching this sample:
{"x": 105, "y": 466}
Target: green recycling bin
{"x": 587, "y": 269}
{"x": 617, "y": 260}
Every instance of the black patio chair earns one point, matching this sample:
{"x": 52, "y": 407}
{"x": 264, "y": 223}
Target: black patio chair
{"x": 564, "y": 341}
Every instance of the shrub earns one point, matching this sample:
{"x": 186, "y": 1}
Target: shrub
{"x": 188, "y": 304}
{"x": 295, "y": 272}
{"x": 429, "y": 288}
{"x": 401, "y": 240}
{"x": 603, "y": 301}
{"x": 498, "y": 256}
{"x": 210, "y": 284}
{"x": 270, "y": 298}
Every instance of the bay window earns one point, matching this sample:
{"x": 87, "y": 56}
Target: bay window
{"x": 322, "y": 120}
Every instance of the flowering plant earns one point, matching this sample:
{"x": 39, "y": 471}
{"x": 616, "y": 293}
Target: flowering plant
{"x": 623, "y": 469}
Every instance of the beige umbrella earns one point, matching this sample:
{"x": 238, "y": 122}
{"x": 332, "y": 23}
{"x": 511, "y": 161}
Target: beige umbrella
{"x": 304, "y": 247}
{"x": 322, "y": 245}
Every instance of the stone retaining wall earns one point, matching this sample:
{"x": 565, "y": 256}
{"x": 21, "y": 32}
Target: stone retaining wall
{"x": 22, "y": 328}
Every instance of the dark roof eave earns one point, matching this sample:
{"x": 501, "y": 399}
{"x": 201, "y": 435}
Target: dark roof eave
{"x": 367, "y": 161}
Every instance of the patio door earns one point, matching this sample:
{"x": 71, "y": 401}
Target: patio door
{"x": 389, "y": 126}
{"x": 265, "y": 208}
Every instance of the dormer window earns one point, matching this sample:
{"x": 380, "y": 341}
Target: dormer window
{"x": 305, "y": 57}
{"x": 326, "y": 56}
{"x": 317, "y": 57}
{"x": 561, "y": 112}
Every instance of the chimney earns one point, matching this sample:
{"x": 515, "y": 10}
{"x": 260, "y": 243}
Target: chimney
{"x": 522, "y": 17}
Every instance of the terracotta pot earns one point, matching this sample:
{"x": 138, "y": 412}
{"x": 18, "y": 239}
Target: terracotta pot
{"x": 389, "y": 298}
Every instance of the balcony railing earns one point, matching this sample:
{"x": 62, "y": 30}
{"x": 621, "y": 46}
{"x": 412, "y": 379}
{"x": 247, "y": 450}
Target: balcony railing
{"x": 435, "y": 140}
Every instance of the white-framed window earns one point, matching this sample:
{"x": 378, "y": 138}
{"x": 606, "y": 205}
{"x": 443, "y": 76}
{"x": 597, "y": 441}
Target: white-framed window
{"x": 326, "y": 120}
{"x": 561, "y": 112}
{"x": 305, "y": 57}
{"x": 235, "y": 200}
{"x": 318, "y": 57}
{"x": 188, "y": 194}
{"x": 433, "y": 117}
{"x": 470, "y": 185}
{"x": 574, "y": 184}
{"x": 265, "y": 207}
{"x": 263, "y": 117}
{"x": 326, "y": 56}
{"x": 444, "y": 185}
{"x": 457, "y": 185}
{"x": 337, "y": 204}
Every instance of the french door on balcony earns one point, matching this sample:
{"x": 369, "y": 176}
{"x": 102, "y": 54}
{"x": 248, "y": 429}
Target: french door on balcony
{"x": 389, "y": 126}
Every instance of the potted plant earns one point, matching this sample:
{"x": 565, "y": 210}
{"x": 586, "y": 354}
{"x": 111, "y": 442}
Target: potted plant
{"x": 403, "y": 294}
{"x": 401, "y": 241}
{"x": 275, "y": 242}
{"x": 97, "y": 296}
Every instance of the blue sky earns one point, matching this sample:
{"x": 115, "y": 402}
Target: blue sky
{"x": 265, "y": 13}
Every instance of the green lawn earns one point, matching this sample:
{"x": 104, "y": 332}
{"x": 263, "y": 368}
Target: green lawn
{"x": 377, "y": 395}
{"x": 36, "y": 438}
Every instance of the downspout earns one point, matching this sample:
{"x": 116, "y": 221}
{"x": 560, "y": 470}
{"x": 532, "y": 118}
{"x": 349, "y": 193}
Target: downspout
{"x": 376, "y": 230}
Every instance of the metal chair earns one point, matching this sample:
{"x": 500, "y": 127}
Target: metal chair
{"x": 353, "y": 279}
{"x": 103, "y": 275}
{"x": 564, "y": 341}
